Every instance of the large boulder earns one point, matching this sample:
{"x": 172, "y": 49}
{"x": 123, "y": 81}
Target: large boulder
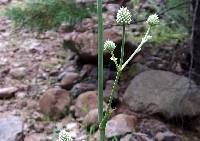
{"x": 11, "y": 129}
{"x": 54, "y": 102}
{"x": 162, "y": 92}
{"x": 85, "y": 44}
{"x": 83, "y": 40}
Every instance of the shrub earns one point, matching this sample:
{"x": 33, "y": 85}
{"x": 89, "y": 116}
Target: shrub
{"x": 47, "y": 14}
{"x": 175, "y": 20}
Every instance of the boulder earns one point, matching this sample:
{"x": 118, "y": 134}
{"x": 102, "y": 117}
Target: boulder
{"x": 54, "y": 102}
{"x": 69, "y": 79}
{"x": 85, "y": 103}
{"x": 120, "y": 125}
{"x": 83, "y": 40}
{"x": 162, "y": 92}
{"x": 85, "y": 44}
{"x": 11, "y": 129}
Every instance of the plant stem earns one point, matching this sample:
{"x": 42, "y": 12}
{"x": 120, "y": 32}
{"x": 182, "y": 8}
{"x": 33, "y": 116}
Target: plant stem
{"x": 122, "y": 47}
{"x": 100, "y": 67}
{"x": 118, "y": 72}
{"x": 113, "y": 90}
{"x": 144, "y": 40}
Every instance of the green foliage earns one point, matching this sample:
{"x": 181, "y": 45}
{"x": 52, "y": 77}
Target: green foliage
{"x": 113, "y": 139}
{"x": 179, "y": 17}
{"x": 46, "y": 118}
{"x": 174, "y": 24}
{"x": 66, "y": 111}
{"x": 163, "y": 34}
{"x": 166, "y": 35}
{"x": 91, "y": 130}
{"x": 47, "y": 14}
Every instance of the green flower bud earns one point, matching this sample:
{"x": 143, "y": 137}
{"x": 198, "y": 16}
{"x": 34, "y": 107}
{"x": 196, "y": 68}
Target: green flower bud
{"x": 153, "y": 20}
{"x": 109, "y": 46}
{"x": 123, "y": 16}
{"x": 64, "y": 136}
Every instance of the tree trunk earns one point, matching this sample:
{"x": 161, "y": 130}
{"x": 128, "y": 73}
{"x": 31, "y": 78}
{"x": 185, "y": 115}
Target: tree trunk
{"x": 196, "y": 38}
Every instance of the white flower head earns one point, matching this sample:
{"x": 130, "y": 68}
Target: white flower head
{"x": 123, "y": 16}
{"x": 64, "y": 136}
{"x": 109, "y": 46}
{"x": 153, "y": 20}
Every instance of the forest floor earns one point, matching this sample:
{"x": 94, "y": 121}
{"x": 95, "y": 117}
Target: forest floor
{"x": 30, "y": 63}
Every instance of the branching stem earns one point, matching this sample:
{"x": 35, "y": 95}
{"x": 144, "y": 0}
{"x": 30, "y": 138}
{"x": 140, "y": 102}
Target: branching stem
{"x": 144, "y": 40}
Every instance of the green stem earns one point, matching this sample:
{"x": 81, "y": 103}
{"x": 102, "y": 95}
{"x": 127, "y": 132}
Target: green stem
{"x": 122, "y": 47}
{"x": 117, "y": 76}
{"x": 100, "y": 67}
{"x": 113, "y": 91}
{"x": 144, "y": 40}
{"x": 114, "y": 60}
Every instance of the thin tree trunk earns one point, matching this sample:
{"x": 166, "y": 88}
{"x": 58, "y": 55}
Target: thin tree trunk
{"x": 196, "y": 39}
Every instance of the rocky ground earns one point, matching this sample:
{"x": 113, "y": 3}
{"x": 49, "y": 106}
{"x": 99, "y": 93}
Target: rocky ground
{"x": 45, "y": 87}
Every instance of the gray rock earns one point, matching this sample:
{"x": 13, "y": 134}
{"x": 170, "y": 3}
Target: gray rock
{"x": 7, "y": 92}
{"x": 11, "y": 129}
{"x": 18, "y": 73}
{"x": 163, "y": 92}
{"x": 120, "y": 125}
{"x": 69, "y": 79}
{"x": 166, "y": 136}
{"x": 72, "y": 126}
{"x": 151, "y": 127}
{"x": 82, "y": 87}
{"x": 113, "y": 8}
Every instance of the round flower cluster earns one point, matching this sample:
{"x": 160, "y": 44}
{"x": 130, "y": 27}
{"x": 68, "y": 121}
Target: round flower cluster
{"x": 153, "y": 20}
{"x": 123, "y": 16}
{"x": 109, "y": 46}
{"x": 64, "y": 136}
